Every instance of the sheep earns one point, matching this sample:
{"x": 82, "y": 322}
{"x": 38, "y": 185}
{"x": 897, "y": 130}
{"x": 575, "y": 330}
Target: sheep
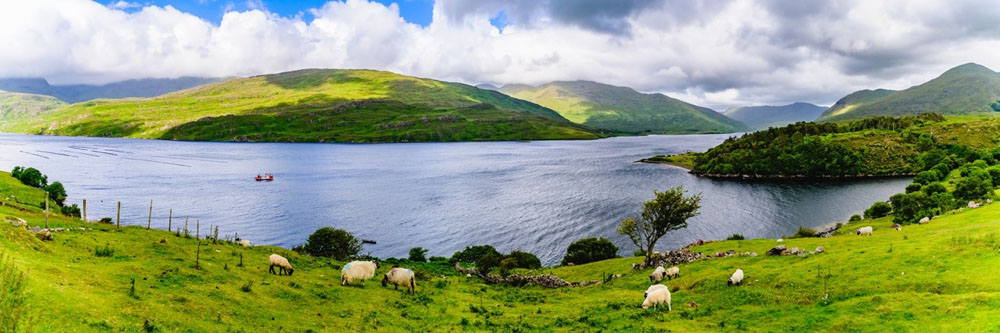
{"x": 398, "y": 276}
{"x": 737, "y": 278}
{"x": 651, "y": 288}
{"x": 865, "y": 231}
{"x": 244, "y": 243}
{"x": 673, "y": 272}
{"x": 656, "y": 297}
{"x": 924, "y": 220}
{"x": 282, "y": 263}
{"x": 657, "y": 274}
{"x": 358, "y": 270}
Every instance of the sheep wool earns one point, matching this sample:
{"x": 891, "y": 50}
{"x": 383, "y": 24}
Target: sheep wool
{"x": 281, "y": 262}
{"x": 657, "y": 297}
{"x": 357, "y": 270}
{"x": 865, "y": 231}
{"x": 400, "y": 276}
{"x": 673, "y": 272}
{"x": 244, "y": 243}
{"x": 737, "y": 277}
{"x": 657, "y": 274}
{"x": 653, "y": 287}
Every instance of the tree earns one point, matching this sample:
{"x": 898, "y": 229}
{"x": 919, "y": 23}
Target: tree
{"x": 974, "y": 187}
{"x": 330, "y": 242}
{"x": 521, "y": 259}
{"x": 877, "y": 210}
{"x": 30, "y": 176}
{"x": 587, "y": 250}
{"x": 418, "y": 254}
{"x": 56, "y": 192}
{"x": 488, "y": 262}
{"x": 667, "y": 212}
{"x": 473, "y": 253}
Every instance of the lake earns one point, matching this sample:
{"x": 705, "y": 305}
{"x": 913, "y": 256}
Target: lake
{"x": 536, "y": 196}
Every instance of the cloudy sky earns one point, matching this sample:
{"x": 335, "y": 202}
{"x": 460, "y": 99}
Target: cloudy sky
{"x": 714, "y": 53}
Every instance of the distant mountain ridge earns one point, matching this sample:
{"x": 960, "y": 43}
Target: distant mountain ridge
{"x": 623, "y": 109}
{"x": 765, "y": 116}
{"x": 968, "y": 89}
{"x": 84, "y": 92}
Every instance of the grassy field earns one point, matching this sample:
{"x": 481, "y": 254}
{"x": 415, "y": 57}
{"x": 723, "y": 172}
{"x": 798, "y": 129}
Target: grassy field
{"x": 15, "y": 106}
{"x": 933, "y": 277}
{"x": 313, "y": 106}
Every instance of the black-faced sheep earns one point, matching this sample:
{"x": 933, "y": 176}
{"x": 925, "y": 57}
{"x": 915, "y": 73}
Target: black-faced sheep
{"x": 865, "y": 231}
{"x": 651, "y": 288}
{"x": 673, "y": 272}
{"x": 657, "y": 274}
{"x": 400, "y": 276}
{"x": 358, "y": 270}
{"x": 656, "y": 297}
{"x": 282, "y": 263}
{"x": 737, "y": 278}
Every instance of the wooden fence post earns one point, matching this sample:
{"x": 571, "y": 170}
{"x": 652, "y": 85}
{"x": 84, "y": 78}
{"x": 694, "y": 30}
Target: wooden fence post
{"x": 170, "y": 220}
{"x": 84, "y": 216}
{"x": 46, "y": 210}
{"x": 197, "y": 228}
{"x": 186, "y": 226}
{"x": 150, "y": 220}
{"x": 118, "y": 221}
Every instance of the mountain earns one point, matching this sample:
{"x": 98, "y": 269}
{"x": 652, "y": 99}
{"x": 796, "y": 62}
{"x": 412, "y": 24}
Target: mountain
{"x": 487, "y": 86}
{"x": 763, "y": 117}
{"x": 853, "y": 100}
{"x": 964, "y": 90}
{"x": 85, "y": 92}
{"x": 314, "y": 105}
{"x": 14, "y": 106}
{"x": 623, "y": 109}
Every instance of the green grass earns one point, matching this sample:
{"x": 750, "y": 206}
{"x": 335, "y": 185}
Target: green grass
{"x": 685, "y": 160}
{"x": 314, "y": 106}
{"x": 623, "y": 109}
{"x": 15, "y": 106}
{"x": 933, "y": 277}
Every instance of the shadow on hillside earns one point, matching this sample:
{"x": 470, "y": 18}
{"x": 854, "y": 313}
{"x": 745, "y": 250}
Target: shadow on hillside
{"x": 306, "y": 79}
{"x": 102, "y": 128}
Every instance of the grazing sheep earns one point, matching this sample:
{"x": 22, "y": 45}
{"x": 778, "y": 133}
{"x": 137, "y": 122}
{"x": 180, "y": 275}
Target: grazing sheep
{"x": 651, "y": 288}
{"x": 737, "y": 278}
{"x": 282, "y": 263}
{"x": 673, "y": 272}
{"x": 358, "y": 270}
{"x": 657, "y": 297}
{"x": 244, "y": 243}
{"x": 400, "y": 276}
{"x": 865, "y": 231}
{"x": 657, "y": 274}
{"x": 924, "y": 220}
{"x": 897, "y": 226}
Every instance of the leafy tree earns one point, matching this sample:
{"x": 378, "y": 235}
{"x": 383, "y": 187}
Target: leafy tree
{"x": 934, "y": 188}
{"x": 974, "y": 187}
{"x": 472, "y": 254}
{"x": 418, "y": 254}
{"x": 855, "y": 218}
{"x": 927, "y": 177}
{"x": 331, "y": 242}
{"x": 521, "y": 259}
{"x": 668, "y": 211}
{"x": 877, "y": 210}
{"x": 71, "y": 211}
{"x": 943, "y": 170}
{"x": 56, "y": 192}
{"x": 488, "y": 262}
{"x": 587, "y": 250}
{"x": 30, "y": 176}
{"x": 913, "y": 187}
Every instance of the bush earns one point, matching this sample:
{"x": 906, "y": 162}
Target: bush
{"x": 855, "y": 218}
{"x": 804, "y": 232}
{"x": 56, "y": 192}
{"x": 943, "y": 169}
{"x": 523, "y": 259}
{"x": 30, "y": 176}
{"x": 334, "y": 243}
{"x": 488, "y": 262}
{"x": 877, "y": 210}
{"x": 472, "y": 254}
{"x": 974, "y": 187}
{"x": 106, "y": 220}
{"x": 107, "y": 251}
{"x": 735, "y": 237}
{"x": 588, "y": 250}
{"x": 926, "y": 177}
{"x": 418, "y": 254}
{"x": 934, "y": 188}
{"x": 71, "y": 211}
{"x": 913, "y": 187}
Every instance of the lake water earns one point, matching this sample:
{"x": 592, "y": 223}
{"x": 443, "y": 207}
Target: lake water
{"x": 535, "y": 196}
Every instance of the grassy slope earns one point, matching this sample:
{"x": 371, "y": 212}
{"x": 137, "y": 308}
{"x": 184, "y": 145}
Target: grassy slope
{"x": 934, "y": 277}
{"x": 314, "y": 105}
{"x": 623, "y": 109}
{"x": 15, "y": 106}
{"x": 762, "y": 117}
{"x": 963, "y": 90}
{"x": 853, "y": 100}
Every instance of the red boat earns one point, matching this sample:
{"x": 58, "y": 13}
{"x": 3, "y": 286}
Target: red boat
{"x": 267, "y": 177}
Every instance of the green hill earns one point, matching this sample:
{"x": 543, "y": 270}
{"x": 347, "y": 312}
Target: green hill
{"x": 938, "y": 276}
{"x": 623, "y": 109}
{"x": 762, "y": 117}
{"x": 15, "y": 106}
{"x": 964, "y": 90}
{"x": 75, "y": 93}
{"x": 315, "y": 105}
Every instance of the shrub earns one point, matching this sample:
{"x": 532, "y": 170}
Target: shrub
{"x": 804, "y": 232}
{"x": 974, "y": 187}
{"x": 107, "y": 251}
{"x": 56, "y": 192}
{"x": 488, "y": 262}
{"x": 331, "y": 242}
{"x": 735, "y": 237}
{"x": 436, "y": 259}
{"x": 106, "y": 220}
{"x": 926, "y": 177}
{"x": 877, "y": 210}
{"x": 913, "y": 187}
{"x": 418, "y": 254}
{"x": 934, "y": 188}
{"x": 30, "y": 176}
{"x": 587, "y": 250}
{"x": 943, "y": 169}
{"x": 474, "y": 253}
{"x": 854, "y": 218}
{"x": 523, "y": 259}
{"x": 71, "y": 211}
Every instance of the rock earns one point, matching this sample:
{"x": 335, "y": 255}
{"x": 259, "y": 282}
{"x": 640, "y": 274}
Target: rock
{"x": 776, "y": 251}
{"x": 44, "y": 235}
{"x": 691, "y": 304}
{"x": 670, "y": 258}
{"x": 719, "y": 254}
{"x": 795, "y": 250}
{"x": 820, "y": 249}
{"x": 925, "y": 220}
{"x": 780, "y": 240}
{"x": 35, "y": 229}
{"x": 753, "y": 254}
{"x": 57, "y": 229}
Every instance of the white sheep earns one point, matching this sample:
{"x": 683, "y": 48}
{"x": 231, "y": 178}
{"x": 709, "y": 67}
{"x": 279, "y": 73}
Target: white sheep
{"x": 865, "y": 231}
{"x": 357, "y": 270}
{"x": 651, "y": 288}
{"x": 282, "y": 263}
{"x": 656, "y": 297}
{"x": 244, "y": 243}
{"x": 673, "y": 272}
{"x": 924, "y": 220}
{"x": 657, "y": 274}
{"x": 400, "y": 276}
{"x": 737, "y": 278}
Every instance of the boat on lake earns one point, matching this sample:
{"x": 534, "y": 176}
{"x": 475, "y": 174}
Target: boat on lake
{"x": 267, "y": 177}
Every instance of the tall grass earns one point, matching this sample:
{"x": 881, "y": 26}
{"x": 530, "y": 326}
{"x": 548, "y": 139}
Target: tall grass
{"x": 12, "y": 296}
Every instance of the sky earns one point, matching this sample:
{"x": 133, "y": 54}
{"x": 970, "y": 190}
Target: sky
{"x": 714, "y": 53}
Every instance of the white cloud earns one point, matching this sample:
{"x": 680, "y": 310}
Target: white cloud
{"x": 715, "y": 53}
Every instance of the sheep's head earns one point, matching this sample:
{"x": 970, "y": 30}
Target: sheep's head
{"x": 290, "y": 270}
{"x": 730, "y": 282}
{"x": 385, "y": 279}
{"x": 377, "y": 265}
{"x": 858, "y": 232}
